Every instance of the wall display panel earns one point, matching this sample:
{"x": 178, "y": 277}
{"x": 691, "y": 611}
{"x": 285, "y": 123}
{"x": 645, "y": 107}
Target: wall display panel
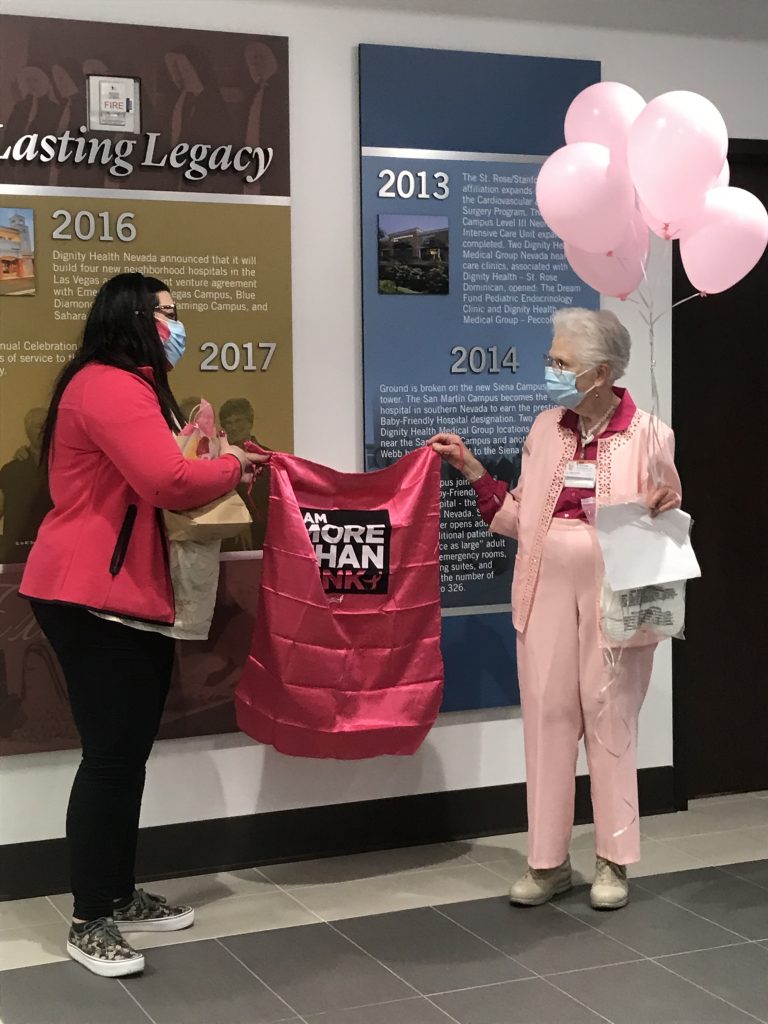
{"x": 460, "y": 280}
{"x": 165, "y": 151}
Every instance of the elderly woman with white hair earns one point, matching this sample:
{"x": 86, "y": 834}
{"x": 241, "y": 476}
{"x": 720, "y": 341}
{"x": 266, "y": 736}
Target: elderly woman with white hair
{"x": 597, "y": 444}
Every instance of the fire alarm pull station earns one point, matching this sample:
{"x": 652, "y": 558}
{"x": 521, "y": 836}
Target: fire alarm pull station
{"x": 114, "y": 104}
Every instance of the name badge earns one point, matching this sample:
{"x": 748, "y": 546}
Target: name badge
{"x": 581, "y": 474}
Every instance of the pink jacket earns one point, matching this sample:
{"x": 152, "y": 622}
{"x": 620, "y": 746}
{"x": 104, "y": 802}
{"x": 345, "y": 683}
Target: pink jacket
{"x": 623, "y": 472}
{"x": 114, "y": 464}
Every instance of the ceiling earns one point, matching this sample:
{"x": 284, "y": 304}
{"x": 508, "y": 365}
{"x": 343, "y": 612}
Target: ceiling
{"x": 719, "y": 19}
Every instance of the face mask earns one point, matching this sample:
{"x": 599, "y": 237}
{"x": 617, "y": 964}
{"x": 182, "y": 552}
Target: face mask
{"x": 561, "y": 387}
{"x": 177, "y": 341}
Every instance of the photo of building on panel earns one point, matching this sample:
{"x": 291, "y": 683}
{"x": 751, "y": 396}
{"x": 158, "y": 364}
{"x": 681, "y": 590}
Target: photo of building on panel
{"x": 17, "y": 252}
{"x": 413, "y": 255}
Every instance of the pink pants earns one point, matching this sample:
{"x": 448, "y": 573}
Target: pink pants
{"x": 562, "y": 672}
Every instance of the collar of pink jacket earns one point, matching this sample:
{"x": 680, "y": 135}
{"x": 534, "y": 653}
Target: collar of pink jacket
{"x": 620, "y": 420}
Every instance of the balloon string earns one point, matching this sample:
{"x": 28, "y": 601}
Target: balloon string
{"x": 659, "y": 277}
{"x": 666, "y": 312}
{"x": 654, "y": 438}
{"x": 681, "y": 302}
{"x": 654, "y": 441}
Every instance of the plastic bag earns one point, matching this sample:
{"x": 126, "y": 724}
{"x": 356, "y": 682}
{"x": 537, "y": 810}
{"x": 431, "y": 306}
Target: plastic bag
{"x": 654, "y": 612}
{"x": 647, "y": 614}
{"x": 194, "y": 570}
{"x": 197, "y": 439}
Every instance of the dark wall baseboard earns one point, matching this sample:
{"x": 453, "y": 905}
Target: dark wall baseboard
{"x": 226, "y": 844}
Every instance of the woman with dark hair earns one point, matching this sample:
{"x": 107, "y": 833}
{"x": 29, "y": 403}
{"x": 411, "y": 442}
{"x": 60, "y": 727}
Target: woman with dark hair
{"x": 100, "y": 586}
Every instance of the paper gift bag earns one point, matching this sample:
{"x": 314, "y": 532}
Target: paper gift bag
{"x": 218, "y": 520}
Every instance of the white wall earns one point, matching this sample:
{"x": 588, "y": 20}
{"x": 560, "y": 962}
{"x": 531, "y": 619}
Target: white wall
{"x": 212, "y": 777}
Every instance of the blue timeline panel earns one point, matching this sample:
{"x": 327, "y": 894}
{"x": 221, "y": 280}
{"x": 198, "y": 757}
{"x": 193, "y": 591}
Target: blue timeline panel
{"x": 460, "y": 280}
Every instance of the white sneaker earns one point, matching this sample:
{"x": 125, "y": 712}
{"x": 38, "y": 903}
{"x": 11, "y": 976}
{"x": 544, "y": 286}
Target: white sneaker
{"x": 538, "y": 886}
{"x": 610, "y": 889}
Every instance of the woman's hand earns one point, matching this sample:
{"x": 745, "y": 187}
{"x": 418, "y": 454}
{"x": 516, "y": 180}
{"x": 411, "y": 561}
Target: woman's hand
{"x": 451, "y": 448}
{"x": 662, "y": 499}
{"x": 250, "y": 462}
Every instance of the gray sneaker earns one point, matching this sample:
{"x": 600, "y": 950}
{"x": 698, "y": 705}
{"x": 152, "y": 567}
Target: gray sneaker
{"x": 610, "y": 889}
{"x": 538, "y": 885}
{"x": 148, "y": 913}
{"x": 102, "y": 949}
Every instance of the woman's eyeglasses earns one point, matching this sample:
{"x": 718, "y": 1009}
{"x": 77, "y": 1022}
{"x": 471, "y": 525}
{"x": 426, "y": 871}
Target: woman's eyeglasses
{"x": 555, "y": 364}
{"x": 170, "y": 312}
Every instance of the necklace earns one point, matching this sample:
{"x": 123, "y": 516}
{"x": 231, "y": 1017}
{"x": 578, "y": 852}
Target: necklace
{"x": 588, "y": 436}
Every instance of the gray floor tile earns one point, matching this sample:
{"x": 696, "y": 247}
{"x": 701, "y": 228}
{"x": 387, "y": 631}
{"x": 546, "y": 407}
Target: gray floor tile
{"x": 521, "y": 1002}
{"x": 718, "y": 896}
{"x": 738, "y": 974}
{"x": 713, "y": 849}
{"x": 644, "y": 993}
{"x": 315, "y": 969}
{"x": 430, "y": 952}
{"x": 364, "y": 866}
{"x": 650, "y": 925}
{"x": 755, "y": 871}
{"x": 411, "y": 1011}
{"x": 541, "y": 938}
{"x": 64, "y": 994}
{"x": 200, "y": 982}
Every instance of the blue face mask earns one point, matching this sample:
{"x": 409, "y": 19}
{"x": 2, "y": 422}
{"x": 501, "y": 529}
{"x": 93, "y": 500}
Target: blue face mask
{"x": 561, "y": 387}
{"x": 177, "y": 343}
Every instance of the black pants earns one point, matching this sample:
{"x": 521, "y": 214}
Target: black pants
{"x": 118, "y": 680}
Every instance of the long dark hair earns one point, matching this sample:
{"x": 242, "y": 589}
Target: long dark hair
{"x": 120, "y": 331}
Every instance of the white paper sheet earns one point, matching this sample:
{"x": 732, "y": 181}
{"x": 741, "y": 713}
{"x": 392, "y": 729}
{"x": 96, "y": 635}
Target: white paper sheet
{"x": 639, "y": 551}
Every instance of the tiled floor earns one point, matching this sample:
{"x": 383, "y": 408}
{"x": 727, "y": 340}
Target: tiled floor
{"x": 426, "y": 936}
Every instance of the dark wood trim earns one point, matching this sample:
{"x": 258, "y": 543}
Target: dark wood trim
{"x": 680, "y": 785}
{"x": 749, "y": 149}
{"x": 742, "y": 152}
{"x": 227, "y": 844}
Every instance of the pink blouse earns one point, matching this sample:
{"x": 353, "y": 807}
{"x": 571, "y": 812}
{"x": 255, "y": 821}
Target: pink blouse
{"x": 490, "y": 492}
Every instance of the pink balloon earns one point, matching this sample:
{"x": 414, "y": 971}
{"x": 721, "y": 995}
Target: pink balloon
{"x": 583, "y": 199}
{"x": 727, "y": 240}
{"x": 676, "y": 150}
{"x": 674, "y": 230}
{"x": 604, "y": 113}
{"x": 618, "y": 273}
